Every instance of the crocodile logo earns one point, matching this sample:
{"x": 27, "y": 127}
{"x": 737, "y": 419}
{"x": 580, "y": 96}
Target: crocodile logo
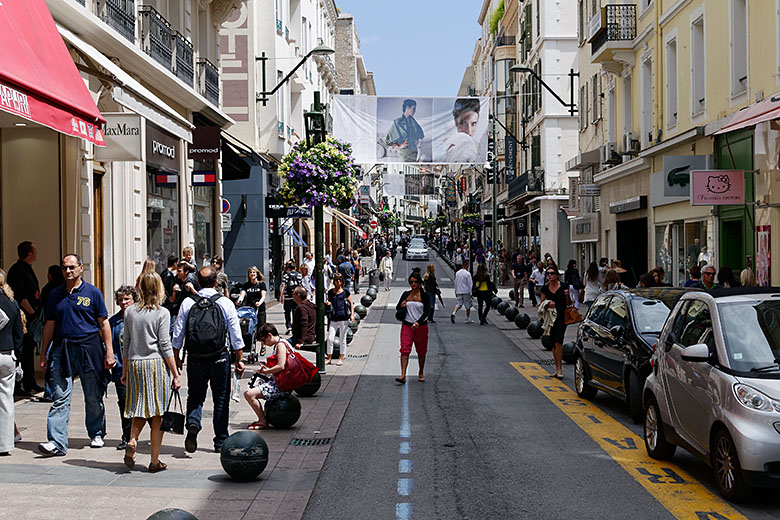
{"x": 680, "y": 175}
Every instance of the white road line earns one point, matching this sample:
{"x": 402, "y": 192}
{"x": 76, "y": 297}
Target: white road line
{"x": 404, "y": 487}
{"x": 404, "y": 466}
{"x": 406, "y": 448}
{"x": 403, "y": 510}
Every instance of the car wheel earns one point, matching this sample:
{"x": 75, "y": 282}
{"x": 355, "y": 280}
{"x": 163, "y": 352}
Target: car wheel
{"x": 655, "y": 440}
{"x": 728, "y": 472}
{"x": 635, "y": 397}
{"x": 581, "y": 379}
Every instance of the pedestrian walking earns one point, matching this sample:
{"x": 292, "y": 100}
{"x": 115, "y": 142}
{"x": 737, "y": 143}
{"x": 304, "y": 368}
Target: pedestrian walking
{"x": 520, "y": 279}
{"x": 347, "y": 270}
{"x": 150, "y": 372}
{"x": 76, "y": 342}
{"x": 556, "y": 292}
{"x": 149, "y": 266}
{"x": 612, "y": 281}
{"x": 356, "y": 268}
{"x": 592, "y": 286}
{"x": 11, "y": 344}
{"x": 290, "y": 280}
{"x": 341, "y": 311}
{"x": 573, "y": 282}
{"x": 431, "y": 287}
{"x": 386, "y": 268}
{"x": 268, "y": 390}
{"x": 308, "y": 280}
{"x": 484, "y": 289}
{"x": 463, "y": 286}
{"x": 726, "y": 278}
{"x": 24, "y": 283}
{"x": 253, "y": 293}
{"x": 223, "y": 282}
{"x": 412, "y": 307}
{"x": 124, "y": 297}
{"x": 747, "y": 278}
{"x": 695, "y": 276}
{"x": 207, "y": 327}
{"x": 708, "y": 282}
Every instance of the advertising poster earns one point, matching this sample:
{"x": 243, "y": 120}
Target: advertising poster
{"x": 763, "y": 262}
{"x": 413, "y": 130}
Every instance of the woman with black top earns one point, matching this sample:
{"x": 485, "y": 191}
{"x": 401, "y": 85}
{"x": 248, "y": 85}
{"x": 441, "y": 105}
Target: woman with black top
{"x": 431, "y": 287}
{"x": 253, "y": 294}
{"x": 412, "y": 311}
{"x": 342, "y": 311}
{"x": 555, "y": 291}
{"x": 572, "y": 280}
{"x": 484, "y": 289}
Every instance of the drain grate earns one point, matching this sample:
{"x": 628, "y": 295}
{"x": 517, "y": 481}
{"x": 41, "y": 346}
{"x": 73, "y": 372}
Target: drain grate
{"x": 544, "y": 362}
{"x": 357, "y": 355}
{"x": 321, "y": 441}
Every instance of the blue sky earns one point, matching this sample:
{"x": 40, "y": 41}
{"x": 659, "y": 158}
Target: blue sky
{"x": 416, "y": 47}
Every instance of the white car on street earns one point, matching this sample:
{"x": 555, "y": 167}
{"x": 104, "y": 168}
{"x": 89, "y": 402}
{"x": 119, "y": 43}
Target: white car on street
{"x": 417, "y": 250}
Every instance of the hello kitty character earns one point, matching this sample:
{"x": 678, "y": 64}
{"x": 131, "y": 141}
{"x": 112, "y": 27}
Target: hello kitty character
{"x": 718, "y": 183}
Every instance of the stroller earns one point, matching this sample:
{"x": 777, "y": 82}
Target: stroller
{"x": 247, "y": 319}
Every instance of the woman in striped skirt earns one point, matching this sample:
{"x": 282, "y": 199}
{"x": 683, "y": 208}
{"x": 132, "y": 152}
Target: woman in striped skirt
{"x": 150, "y": 371}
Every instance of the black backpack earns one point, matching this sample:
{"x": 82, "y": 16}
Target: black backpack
{"x": 206, "y": 328}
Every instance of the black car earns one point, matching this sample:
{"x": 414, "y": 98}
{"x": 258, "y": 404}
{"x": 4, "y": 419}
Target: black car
{"x": 615, "y": 342}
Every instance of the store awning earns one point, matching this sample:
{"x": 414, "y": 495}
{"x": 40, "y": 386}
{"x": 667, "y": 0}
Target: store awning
{"x": 766, "y": 110}
{"x": 348, "y": 221}
{"x": 238, "y": 159}
{"x": 38, "y": 78}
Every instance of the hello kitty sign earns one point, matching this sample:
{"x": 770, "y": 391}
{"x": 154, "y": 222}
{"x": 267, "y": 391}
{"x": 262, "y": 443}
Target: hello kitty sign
{"x": 717, "y": 187}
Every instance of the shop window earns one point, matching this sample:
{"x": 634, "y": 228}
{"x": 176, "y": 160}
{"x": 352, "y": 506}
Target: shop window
{"x": 162, "y": 215}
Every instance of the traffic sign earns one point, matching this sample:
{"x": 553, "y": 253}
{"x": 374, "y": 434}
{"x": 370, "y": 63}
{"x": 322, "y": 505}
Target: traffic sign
{"x": 373, "y": 224}
{"x": 227, "y": 221}
{"x": 225, "y": 206}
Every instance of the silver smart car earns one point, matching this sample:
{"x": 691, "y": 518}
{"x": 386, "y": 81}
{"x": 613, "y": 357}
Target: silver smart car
{"x": 714, "y": 388}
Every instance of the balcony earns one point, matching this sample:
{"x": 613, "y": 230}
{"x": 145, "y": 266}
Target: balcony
{"x": 156, "y": 36}
{"x": 504, "y": 41}
{"x": 471, "y": 91}
{"x": 208, "y": 81}
{"x": 530, "y": 181}
{"x": 119, "y": 15}
{"x": 183, "y": 67}
{"x": 613, "y": 29}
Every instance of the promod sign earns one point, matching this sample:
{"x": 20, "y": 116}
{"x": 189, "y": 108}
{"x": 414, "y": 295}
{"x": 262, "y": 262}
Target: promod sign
{"x": 717, "y": 187}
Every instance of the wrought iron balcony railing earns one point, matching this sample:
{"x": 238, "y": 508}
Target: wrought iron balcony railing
{"x": 156, "y": 36}
{"x": 503, "y": 41}
{"x": 184, "y": 65}
{"x": 620, "y": 25}
{"x": 208, "y": 81}
{"x": 119, "y": 15}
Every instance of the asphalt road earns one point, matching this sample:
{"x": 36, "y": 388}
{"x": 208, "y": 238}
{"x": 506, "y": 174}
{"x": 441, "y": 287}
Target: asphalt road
{"x": 479, "y": 440}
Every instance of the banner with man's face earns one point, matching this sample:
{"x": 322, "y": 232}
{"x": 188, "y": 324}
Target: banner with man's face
{"x": 411, "y": 130}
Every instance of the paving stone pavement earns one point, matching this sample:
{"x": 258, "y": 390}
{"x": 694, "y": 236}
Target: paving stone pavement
{"x": 94, "y": 483}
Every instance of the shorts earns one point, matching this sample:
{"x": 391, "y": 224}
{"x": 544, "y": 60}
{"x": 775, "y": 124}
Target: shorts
{"x": 417, "y": 337}
{"x": 271, "y": 391}
{"x": 464, "y": 300}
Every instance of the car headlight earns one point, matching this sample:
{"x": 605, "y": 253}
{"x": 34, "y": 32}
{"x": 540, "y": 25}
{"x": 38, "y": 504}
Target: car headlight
{"x": 754, "y": 399}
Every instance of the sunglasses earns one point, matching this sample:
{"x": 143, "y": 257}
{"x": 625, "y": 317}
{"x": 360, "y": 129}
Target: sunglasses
{"x": 711, "y": 273}
{"x": 413, "y": 281}
{"x": 552, "y": 272}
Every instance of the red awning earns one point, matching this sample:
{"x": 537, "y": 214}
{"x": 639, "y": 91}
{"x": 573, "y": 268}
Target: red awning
{"x": 38, "y": 79}
{"x": 766, "y": 110}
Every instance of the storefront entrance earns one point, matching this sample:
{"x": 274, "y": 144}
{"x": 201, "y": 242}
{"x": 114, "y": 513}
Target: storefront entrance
{"x": 162, "y": 195}
{"x": 632, "y": 248}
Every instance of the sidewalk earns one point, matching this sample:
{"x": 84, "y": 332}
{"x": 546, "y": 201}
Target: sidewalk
{"x": 94, "y": 483}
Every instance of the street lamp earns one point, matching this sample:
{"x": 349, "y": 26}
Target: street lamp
{"x": 264, "y": 96}
{"x": 570, "y": 105}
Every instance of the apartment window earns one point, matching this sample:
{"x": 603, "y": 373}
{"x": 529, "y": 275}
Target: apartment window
{"x": 628, "y": 122}
{"x": 280, "y": 105}
{"x": 671, "y": 82}
{"x": 595, "y": 98}
{"x": 279, "y": 15}
{"x": 647, "y": 101}
{"x": 536, "y": 151}
{"x": 698, "y": 89}
{"x": 581, "y": 23}
{"x": 538, "y": 18}
{"x": 538, "y": 69}
{"x": 584, "y": 104}
{"x": 612, "y": 115}
{"x": 739, "y": 50}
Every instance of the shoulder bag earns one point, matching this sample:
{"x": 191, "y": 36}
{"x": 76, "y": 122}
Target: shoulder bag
{"x": 572, "y": 315}
{"x": 297, "y": 370}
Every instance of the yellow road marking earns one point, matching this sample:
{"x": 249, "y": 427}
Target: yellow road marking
{"x": 672, "y": 486}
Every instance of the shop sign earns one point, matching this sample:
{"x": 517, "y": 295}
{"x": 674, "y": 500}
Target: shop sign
{"x": 205, "y": 143}
{"x": 204, "y": 179}
{"x": 590, "y": 190}
{"x": 275, "y": 210}
{"x": 365, "y": 194}
{"x": 677, "y": 172}
{"x": 227, "y": 221}
{"x": 634, "y": 203}
{"x": 510, "y": 157}
{"x": 585, "y": 228}
{"x": 717, "y": 187}
{"x": 154, "y": 202}
{"x": 123, "y": 138}
{"x": 161, "y": 149}
{"x": 165, "y": 180}
{"x": 574, "y": 199}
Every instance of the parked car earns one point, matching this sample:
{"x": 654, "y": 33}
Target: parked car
{"x": 615, "y": 342}
{"x": 417, "y": 250}
{"x": 715, "y": 386}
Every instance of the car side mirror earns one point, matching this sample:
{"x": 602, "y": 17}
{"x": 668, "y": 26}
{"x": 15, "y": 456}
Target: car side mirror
{"x": 696, "y": 353}
{"x": 617, "y": 331}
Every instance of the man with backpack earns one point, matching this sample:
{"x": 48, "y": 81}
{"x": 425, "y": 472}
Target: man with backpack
{"x": 290, "y": 280}
{"x": 347, "y": 270}
{"x": 207, "y": 327}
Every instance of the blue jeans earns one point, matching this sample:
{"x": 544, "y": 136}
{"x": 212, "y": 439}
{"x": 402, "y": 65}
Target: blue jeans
{"x": 200, "y": 374}
{"x": 433, "y": 306}
{"x": 61, "y": 393}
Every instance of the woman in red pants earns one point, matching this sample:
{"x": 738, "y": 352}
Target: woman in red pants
{"x": 412, "y": 311}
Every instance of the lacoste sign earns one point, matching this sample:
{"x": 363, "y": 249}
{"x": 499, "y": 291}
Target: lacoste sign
{"x": 123, "y": 138}
{"x": 677, "y": 172}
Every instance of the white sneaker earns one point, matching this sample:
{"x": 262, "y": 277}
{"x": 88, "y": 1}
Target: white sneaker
{"x": 236, "y": 398}
{"x": 97, "y": 442}
{"x": 469, "y": 320}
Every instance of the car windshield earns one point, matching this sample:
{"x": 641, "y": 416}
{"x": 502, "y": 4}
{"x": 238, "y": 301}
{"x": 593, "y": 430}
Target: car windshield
{"x": 417, "y": 243}
{"x": 751, "y": 331}
{"x": 649, "y": 315}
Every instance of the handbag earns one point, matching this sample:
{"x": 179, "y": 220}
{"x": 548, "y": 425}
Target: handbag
{"x": 381, "y": 276}
{"x": 297, "y": 371}
{"x": 173, "y": 421}
{"x": 572, "y": 315}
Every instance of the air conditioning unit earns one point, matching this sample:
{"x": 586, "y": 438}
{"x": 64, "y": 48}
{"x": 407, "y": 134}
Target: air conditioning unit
{"x": 631, "y": 144}
{"x": 608, "y": 154}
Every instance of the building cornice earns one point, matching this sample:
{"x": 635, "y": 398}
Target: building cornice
{"x": 670, "y": 13}
{"x": 221, "y": 10}
{"x": 624, "y": 170}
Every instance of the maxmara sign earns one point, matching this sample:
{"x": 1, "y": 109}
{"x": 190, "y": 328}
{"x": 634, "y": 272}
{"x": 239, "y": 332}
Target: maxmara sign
{"x": 123, "y": 138}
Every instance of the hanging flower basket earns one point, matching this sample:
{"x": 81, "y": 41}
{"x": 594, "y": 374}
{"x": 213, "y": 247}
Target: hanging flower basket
{"x": 441, "y": 220}
{"x": 324, "y": 174}
{"x": 388, "y": 219}
{"x": 471, "y": 222}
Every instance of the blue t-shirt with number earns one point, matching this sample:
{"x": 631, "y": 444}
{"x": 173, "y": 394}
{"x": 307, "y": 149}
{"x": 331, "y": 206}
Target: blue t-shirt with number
{"x": 76, "y": 314}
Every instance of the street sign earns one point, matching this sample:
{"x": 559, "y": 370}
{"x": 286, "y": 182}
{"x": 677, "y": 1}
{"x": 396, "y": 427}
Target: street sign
{"x": 227, "y": 221}
{"x": 373, "y": 224}
{"x": 225, "y": 205}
